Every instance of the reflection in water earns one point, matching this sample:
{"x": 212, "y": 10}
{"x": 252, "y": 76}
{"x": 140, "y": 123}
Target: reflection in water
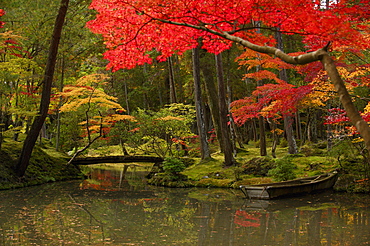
{"x": 118, "y": 208}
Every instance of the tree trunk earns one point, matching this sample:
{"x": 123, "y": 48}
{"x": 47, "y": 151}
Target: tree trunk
{"x": 261, "y": 125}
{"x": 346, "y": 99}
{"x": 39, "y": 120}
{"x": 224, "y": 119}
{"x": 288, "y": 122}
{"x": 288, "y": 126}
{"x": 275, "y": 139}
{"x": 202, "y": 132}
{"x": 298, "y": 126}
{"x": 171, "y": 78}
{"x": 229, "y": 92}
{"x": 212, "y": 96}
{"x": 57, "y": 137}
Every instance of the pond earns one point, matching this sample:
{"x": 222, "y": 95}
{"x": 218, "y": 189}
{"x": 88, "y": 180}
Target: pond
{"x": 116, "y": 207}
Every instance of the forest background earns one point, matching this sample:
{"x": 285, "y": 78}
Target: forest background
{"x": 192, "y": 95}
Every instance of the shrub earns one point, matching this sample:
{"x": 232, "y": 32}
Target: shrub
{"x": 173, "y": 165}
{"x": 284, "y": 170}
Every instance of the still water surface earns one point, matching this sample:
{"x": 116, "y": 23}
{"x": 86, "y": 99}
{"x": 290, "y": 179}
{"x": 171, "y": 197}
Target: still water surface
{"x": 118, "y": 208}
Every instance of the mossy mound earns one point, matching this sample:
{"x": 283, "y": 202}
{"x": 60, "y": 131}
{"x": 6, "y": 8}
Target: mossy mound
{"x": 259, "y": 166}
{"x": 43, "y": 167}
{"x": 170, "y": 180}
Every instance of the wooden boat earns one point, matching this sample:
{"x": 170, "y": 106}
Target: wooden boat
{"x": 291, "y": 187}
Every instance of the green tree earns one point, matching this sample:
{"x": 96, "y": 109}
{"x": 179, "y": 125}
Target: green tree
{"x": 164, "y": 132}
{"x": 39, "y": 120}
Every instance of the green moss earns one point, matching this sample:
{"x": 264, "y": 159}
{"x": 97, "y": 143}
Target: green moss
{"x": 170, "y": 180}
{"x": 46, "y": 165}
{"x": 258, "y": 166}
{"x": 210, "y": 168}
{"x": 211, "y": 182}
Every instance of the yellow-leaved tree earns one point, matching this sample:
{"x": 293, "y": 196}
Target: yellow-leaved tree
{"x": 101, "y": 111}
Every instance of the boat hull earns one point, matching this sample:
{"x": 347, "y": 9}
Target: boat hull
{"x": 290, "y": 188}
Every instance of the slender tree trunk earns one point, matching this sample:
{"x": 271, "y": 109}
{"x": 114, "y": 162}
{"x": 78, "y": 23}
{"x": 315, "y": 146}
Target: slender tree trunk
{"x": 288, "y": 126}
{"x": 233, "y": 129}
{"x": 224, "y": 118}
{"x": 126, "y": 98}
{"x": 263, "y": 146}
{"x": 39, "y": 120}
{"x": 275, "y": 139}
{"x": 261, "y": 120}
{"x": 298, "y": 126}
{"x": 212, "y": 96}
{"x": 202, "y": 132}
{"x": 179, "y": 85}
{"x": 261, "y": 126}
{"x": 171, "y": 78}
{"x": 57, "y": 137}
{"x": 288, "y": 122}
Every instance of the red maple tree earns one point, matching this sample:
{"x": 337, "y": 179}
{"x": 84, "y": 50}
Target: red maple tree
{"x": 2, "y": 12}
{"x": 136, "y": 32}
{"x": 271, "y": 101}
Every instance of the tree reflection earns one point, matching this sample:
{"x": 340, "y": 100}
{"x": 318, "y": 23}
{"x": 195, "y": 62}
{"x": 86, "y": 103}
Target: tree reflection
{"x": 64, "y": 214}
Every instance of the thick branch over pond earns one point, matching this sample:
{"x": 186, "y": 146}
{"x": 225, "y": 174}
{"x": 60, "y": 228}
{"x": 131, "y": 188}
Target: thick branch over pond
{"x": 115, "y": 159}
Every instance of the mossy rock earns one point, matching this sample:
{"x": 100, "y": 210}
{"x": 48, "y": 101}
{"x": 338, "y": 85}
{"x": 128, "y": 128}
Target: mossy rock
{"x": 259, "y": 166}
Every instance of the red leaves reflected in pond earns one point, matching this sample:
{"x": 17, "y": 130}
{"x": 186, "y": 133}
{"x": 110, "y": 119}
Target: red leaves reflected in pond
{"x": 106, "y": 180}
{"x": 247, "y": 219}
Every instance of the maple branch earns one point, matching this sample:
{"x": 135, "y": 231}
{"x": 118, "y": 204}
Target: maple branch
{"x": 264, "y": 28}
{"x": 298, "y": 60}
{"x": 90, "y": 142}
{"x": 138, "y": 31}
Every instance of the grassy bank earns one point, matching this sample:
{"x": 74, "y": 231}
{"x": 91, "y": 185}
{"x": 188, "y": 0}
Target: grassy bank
{"x": 250, "y": 169}
{"x": 254, "y": 169}
{"x": 46, "y": 165}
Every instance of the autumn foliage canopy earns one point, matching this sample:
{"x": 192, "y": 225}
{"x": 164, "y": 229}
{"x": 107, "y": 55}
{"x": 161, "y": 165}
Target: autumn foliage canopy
{"x": 135, "y": 32}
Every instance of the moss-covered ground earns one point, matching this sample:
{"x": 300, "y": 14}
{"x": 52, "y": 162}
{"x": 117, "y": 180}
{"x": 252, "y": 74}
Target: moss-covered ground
{"x": 213, "y": 172}
{"x": 46, "y": 165}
